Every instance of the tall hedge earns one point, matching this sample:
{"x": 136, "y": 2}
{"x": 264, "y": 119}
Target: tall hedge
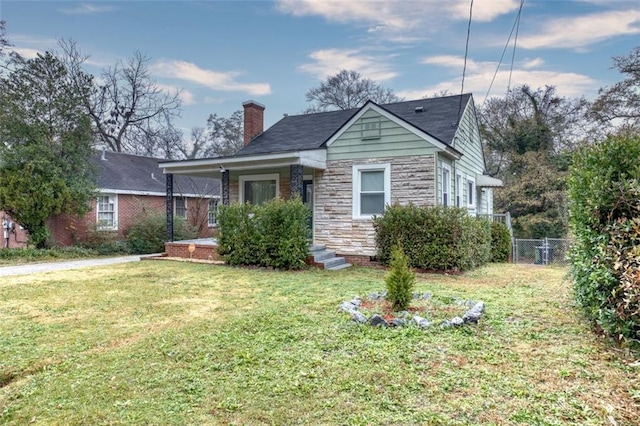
{"x": 438, "y": 238}
{"x": 604, "y": 206}
{"x": 272, "y": 235}
{"x": 500, "y": 242}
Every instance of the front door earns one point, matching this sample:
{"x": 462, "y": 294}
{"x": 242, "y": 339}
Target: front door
{"x": 307, "y": 199}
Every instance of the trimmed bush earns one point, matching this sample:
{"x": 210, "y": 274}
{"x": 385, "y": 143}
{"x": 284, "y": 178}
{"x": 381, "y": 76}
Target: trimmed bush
{"x": 500, "y": 242}
{"x": 400, "y": 281}
{"x": 270, "y": 235}
{"x": 604, "y": 206}
{"x": 438, "y": 238}
{"x": 148, "y": 234}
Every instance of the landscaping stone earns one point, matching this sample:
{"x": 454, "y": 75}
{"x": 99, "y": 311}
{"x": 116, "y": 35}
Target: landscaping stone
{"x": 474, "y": 314}
{"x": 358, "y": 317}
{"x": 348, "y": 307}
{"x": 377, "y": 320}
{"x": 457, "y": 321}
{"x": 421, "y": 322}
{"x": 471, "y": 316}
{"x": 398, "y": 322}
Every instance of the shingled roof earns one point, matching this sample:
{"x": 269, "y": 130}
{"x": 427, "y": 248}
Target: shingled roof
{"x": 125, "y": 172}
{"x": 439, "y": 118}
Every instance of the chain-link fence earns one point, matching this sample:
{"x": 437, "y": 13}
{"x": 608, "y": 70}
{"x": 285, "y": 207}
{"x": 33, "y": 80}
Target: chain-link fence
{"x": 542, "y": 251}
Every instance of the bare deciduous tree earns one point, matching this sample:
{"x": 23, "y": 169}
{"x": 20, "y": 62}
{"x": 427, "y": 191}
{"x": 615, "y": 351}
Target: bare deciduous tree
{"x": 346, "y": 90}
{"x": 622, "y": 100}
{"x": 129, "y": 110}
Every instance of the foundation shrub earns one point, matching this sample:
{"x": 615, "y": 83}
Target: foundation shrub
{"x": 438, "y": 238}
{"x": 604, "y": 206}
{"x": 149, "y": 233}
{"x": 270, "y": 235}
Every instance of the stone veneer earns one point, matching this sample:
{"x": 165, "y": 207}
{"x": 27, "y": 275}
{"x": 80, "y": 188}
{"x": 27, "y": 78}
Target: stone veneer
{"x": 412, "y": 181}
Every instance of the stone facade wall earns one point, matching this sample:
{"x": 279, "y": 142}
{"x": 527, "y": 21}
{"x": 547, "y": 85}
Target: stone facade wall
{"x": 412, "y": 181}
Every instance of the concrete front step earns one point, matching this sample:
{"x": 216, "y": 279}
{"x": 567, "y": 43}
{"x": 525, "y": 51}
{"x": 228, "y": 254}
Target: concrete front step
{"x": 327, "y": 259}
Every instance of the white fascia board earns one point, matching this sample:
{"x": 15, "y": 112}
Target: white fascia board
{"x": 316, "y": 159}
{"x": 408, "y": 126}
{"x": 149, "y": 193}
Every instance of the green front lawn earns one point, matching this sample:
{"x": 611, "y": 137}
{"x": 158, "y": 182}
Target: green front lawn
{"x": 179, "y": 343}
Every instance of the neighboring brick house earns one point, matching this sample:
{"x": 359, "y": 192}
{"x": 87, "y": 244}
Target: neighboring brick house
{"x": 130, "y": 186}
{"x": 348, "y": 165}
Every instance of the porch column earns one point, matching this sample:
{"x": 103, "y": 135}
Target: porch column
{"x": 169, "y": 207}
{"x": 295, "y": 181}
{"x": 225, "y": 188}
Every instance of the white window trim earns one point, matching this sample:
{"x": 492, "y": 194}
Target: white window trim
{"x": 446, "y": 182}
{"x": 473, "y": 192}
{"x": 114, "y": 227}
{"x": 269, "y": 176}
{"x": 386, "y": 167}
{"x": 459, "y": 192}
{"x": 209, "y": 223}
{"x": 175, "y": 205}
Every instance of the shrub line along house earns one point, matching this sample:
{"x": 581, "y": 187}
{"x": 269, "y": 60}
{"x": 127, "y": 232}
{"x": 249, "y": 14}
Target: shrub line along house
{"x": 130, "y": 186}
{"x": 348, "y": 165}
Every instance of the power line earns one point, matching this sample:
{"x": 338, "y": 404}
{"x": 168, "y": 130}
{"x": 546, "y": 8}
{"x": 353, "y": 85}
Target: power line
{"x": 515, "y": 42}
{"x": 466, "y": 53}
{"x": 516, "y": 23}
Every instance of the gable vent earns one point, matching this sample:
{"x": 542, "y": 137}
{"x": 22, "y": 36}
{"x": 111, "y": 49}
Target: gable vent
{"x": 419, "y": 109}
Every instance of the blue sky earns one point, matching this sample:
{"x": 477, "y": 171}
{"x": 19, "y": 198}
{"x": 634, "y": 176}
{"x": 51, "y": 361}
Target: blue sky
{"x": 222, "y": 53}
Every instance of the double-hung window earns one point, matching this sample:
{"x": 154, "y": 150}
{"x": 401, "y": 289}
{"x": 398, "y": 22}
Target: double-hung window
{"x": 471, "y": 192}
{"x": 181, "y": 207}
{"x": 371, "y": 189}
{"x": 458, "y": 190}
{"x": 107, "y": 212}
{"x": 258, "y": 189}
{"x": 213, "y": 211}
{"x": 446, "y": 185}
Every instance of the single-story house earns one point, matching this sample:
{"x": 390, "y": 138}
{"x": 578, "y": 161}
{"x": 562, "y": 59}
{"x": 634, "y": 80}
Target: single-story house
{"x": 348, "y": 165}
{"x": 128, "y": 187}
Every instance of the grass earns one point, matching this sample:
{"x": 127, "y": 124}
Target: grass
{"x": 179, "y": 343}
{"x": 18, "y": 256}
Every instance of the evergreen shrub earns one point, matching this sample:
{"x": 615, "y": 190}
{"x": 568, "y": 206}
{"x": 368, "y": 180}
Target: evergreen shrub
{"x": 149, "y": 232}
{"x": 400, "y": 281}
{"x": 270, "y": 235}
{"x": 604, "y": 206}
{"x": 500, "y": 242}
{"x": 437, "y": 238}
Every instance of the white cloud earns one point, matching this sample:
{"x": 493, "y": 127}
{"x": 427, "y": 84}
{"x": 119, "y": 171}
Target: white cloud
{"x": 187, "y": 97}
{"x": 86, "y": 9}
{"x": 223, "y": 81}
{"x": 480, "y": 74}
{"x": 581, "y": 31}
{"x": 328, "y": 62}
{"x": 398, "y": 20}
{"x": 26, "y": 52}
{"x": 532, "y": 63}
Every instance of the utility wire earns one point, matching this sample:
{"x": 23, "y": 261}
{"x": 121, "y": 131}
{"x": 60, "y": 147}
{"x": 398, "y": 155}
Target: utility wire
{"x": 466, "y": 53}
{"x": 516, "y": 22}
{"x": 515, "y": 42}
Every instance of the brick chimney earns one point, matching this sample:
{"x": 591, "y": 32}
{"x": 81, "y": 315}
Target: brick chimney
{"x": 253, "y": 120}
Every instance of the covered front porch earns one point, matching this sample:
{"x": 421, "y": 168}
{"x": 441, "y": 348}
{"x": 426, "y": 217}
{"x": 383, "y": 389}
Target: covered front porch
{"x": 252, "y": 178}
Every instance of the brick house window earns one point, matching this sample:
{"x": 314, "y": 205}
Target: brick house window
{"x": 371, "y": 189}
{"x": 181, "y": 207}
{"x": 107, "y": 212}
{"x": 213, "y": 211}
